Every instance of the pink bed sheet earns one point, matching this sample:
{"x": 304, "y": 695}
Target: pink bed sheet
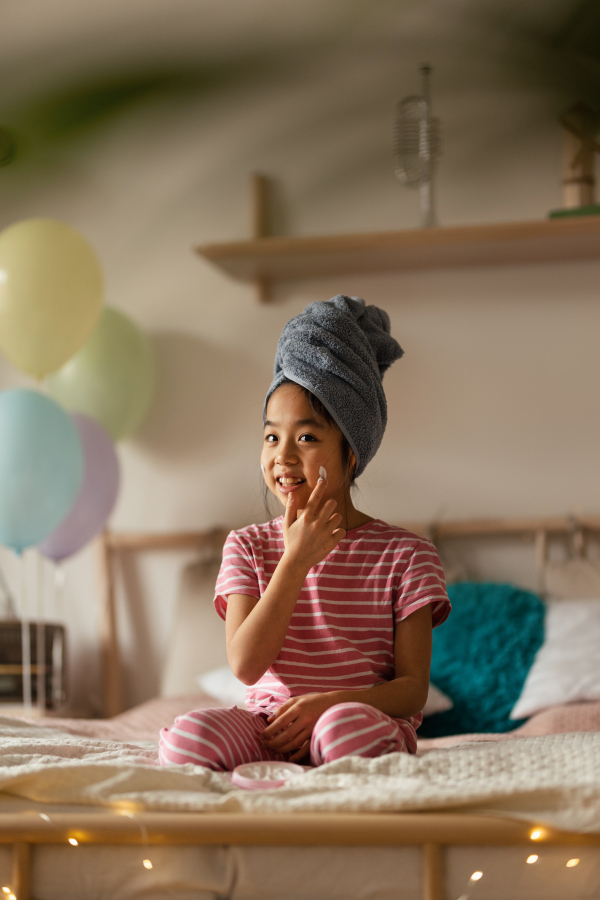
{"x": 555, "y": 720}
{"x": 143, "y": 722}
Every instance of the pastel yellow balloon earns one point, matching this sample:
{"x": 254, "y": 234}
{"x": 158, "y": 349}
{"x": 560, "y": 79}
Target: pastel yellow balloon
{"x": 51, "y": 290}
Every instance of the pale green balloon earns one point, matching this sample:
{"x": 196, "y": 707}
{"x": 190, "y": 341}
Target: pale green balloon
{"x": 112, "y": 378}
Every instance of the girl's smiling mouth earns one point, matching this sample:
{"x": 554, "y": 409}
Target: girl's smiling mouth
{"x": 289, "y": 483}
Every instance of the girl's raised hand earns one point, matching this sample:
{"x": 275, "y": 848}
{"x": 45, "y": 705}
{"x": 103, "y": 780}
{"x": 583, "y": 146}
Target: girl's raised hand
{"x": 311, "y": 534}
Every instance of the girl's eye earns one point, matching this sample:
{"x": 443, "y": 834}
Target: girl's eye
{"x": 272, "y": 438}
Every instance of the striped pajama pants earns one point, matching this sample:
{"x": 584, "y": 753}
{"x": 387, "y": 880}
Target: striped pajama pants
{"x": 224, "y": 738}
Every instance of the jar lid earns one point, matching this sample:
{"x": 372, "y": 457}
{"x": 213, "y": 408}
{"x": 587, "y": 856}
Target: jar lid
{"x": 263, "y": 775}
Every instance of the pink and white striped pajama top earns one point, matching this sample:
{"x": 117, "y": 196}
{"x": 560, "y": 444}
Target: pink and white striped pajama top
{"x": 341, "y": 635}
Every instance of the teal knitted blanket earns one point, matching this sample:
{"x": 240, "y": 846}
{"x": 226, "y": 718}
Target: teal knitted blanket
{"x": 481, "y": 656}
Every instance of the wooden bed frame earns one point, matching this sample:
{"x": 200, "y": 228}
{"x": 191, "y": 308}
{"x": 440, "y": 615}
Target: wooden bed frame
{"x": 431, "y": 830}
{"x": 111, "y": 544}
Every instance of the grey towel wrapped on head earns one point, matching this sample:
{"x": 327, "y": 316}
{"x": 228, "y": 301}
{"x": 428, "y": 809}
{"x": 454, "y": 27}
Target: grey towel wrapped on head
{"x": 339, "y": 350}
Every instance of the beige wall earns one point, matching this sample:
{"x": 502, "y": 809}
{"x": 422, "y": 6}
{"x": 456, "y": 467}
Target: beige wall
{"x": 493, "y": 410}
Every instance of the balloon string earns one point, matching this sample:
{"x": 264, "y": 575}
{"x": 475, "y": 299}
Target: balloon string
{"x": 146, "y": 862}
{"x": 58, "y": 584}
{"x": 25, "y": 645}
{"x": 11, "y": 607}
{"x": 40, "y": 655}
{"x": 59, "y": 591}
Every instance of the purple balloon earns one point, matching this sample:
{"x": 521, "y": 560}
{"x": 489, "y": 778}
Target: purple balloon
{"x": 97, "y": 495}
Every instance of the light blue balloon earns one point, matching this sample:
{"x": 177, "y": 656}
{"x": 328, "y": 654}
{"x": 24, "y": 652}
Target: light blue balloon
{"x": 41, "y": 467}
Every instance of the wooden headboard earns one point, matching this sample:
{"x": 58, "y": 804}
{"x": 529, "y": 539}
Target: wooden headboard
{"x": 111, "y": 544}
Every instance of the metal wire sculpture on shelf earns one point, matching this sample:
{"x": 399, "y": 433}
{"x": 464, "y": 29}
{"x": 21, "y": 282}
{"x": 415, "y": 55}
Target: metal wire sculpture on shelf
{"x": 417, "y": 146}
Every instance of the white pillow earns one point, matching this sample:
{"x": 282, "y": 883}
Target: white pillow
{"x": 437, "y": 701}
{"x": 222, "y": 684}
{"x": 566, "y": 668}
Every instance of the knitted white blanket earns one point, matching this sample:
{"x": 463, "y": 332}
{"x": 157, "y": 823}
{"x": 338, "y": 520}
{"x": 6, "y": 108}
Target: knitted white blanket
{"x": 553, "y": 779}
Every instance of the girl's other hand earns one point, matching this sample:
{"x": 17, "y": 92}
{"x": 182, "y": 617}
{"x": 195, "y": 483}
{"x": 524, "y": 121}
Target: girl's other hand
{"x": 311, "y": 534}
{"x": 291, "y": 726}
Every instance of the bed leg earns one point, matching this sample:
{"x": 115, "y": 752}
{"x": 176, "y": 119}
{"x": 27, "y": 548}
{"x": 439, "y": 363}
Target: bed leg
{"x": 433, "y": 876}
{"x": 21, "y": 862}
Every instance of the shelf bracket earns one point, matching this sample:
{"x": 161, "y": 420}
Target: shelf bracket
{"x": 261, "y": 226}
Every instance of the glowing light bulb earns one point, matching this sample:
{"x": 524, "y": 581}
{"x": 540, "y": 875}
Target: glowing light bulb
{"x": 532, "y": 859}
{"x": 536, "y": 834}
{"x": 126, "y": 807}
{"x": 147, "y": 864}
{"x": 572, "y": 862}
{"x": 11, "y": 897}
{"x": 476, "y": 876}
{"x": 73, "y": 842}
{"x": 6, "y": 890}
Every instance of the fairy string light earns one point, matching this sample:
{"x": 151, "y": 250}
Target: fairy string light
{"x": 146, "y": 862}
{"x": 532, "y": 859}
{"x": 475, "y": 877}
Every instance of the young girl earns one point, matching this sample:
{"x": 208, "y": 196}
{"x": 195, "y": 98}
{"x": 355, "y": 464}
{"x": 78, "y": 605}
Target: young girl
{"x": 328, "y": 611}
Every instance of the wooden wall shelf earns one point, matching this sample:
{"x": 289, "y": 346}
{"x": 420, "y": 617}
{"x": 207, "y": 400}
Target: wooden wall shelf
{"x": 270, "y": 259}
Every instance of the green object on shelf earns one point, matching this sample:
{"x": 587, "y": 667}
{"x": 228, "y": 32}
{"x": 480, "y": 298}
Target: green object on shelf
{"x": 592, "y": 209}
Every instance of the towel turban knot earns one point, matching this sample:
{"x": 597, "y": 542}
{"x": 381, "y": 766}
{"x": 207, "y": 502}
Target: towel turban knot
{"x": 339, "y": 350}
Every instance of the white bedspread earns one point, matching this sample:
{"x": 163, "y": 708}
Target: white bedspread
{"x": 553, "y": 779}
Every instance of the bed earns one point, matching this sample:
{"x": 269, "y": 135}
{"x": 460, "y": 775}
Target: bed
{"x": 86, "y": 812}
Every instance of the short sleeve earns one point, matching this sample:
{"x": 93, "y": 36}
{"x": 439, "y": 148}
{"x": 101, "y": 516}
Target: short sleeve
{"x": 237, "y": 574}
{"x": 423, "y": 583}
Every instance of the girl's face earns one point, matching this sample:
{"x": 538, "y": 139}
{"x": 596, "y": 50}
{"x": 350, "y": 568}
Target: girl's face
{"x": 296, "y": 445}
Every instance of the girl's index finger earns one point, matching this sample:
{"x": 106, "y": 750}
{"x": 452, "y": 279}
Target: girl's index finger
{"x": 317, "y": 494}
{"x": 279, "y": 722}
